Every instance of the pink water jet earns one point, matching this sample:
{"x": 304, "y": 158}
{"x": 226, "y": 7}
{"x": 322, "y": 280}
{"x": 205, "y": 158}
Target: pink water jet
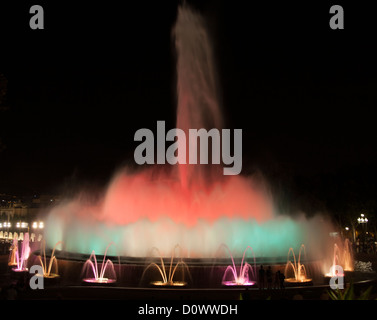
{"x": 105, "y": 275}
{"x": 246, "y": 275}
{"x": 20, "y": 260}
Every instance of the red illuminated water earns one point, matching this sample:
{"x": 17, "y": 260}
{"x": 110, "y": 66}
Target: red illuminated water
{"x": 131, "y": 197}
{"x": 188, "y": 192}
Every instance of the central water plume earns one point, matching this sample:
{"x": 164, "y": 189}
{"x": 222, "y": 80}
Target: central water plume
{"x": 198, "y": 103}
{"x": 192, "y": 205}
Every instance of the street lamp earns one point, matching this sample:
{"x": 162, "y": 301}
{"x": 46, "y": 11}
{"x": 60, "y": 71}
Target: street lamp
{"x": 363, "y": 220}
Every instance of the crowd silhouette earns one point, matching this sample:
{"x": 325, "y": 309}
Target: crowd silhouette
{"x": 266, "y": 277}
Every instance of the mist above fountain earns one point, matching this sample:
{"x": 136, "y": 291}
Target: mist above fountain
{"x": 195, "y": 206}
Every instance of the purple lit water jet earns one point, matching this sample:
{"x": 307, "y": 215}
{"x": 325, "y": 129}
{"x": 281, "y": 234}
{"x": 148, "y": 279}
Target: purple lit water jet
{"x": 20, "y": 260}
{"x": 243, "y": 278}
{"x": 105, "y": 275}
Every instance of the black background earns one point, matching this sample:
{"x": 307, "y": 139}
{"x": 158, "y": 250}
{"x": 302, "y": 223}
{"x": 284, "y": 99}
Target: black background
{"x": 303, "y": 94}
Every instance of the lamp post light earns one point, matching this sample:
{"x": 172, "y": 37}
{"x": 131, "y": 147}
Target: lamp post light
{"x": 363, "y": 220}
{"x": 345, "y": 232}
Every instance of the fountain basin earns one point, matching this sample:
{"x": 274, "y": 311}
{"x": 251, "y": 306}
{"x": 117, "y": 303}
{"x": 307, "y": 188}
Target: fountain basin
{"x": 50, "y": 280}
{"x": 293, "y": 282}
{"x": 16, "y": 274}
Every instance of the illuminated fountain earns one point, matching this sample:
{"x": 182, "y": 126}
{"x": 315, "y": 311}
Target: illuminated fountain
{"x": 246, "y": 275}
{"x": 193, "y": 205}
{"x": 299, "y": 270}
{"x": 47, "y": 270}
{"x": 105, "y": 275}
{"x": 168, "y": 279}
{"x": 13, "y": 253}
{"x": 348, "y": 261}
{"x": 196, "y": 206}
{"x": 345, "y": 261}
{"x": 20, "y": 260}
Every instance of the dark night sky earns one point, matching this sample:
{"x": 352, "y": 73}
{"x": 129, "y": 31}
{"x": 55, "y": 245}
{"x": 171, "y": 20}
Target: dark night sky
{"x": 303, "y": 94}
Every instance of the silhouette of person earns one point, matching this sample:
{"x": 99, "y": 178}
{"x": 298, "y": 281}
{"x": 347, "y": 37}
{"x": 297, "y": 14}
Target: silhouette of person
{"x": 277, "y": 280}
{"x": 269, "y": 277}
{"x": 261, "y": 277}
{"x": 282, "y": 277}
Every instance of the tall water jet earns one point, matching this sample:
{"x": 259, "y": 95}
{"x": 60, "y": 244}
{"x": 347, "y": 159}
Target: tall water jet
{"x": 342, "y": 257}
{"x": 197, "y": 91}
{"x": 21, "y": 259}
{"x": 13, "y": 253}
{"x": 348, "y": 256}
